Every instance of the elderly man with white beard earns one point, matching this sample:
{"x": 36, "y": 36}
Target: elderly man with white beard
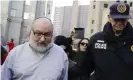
{"x": 37, "y": 59}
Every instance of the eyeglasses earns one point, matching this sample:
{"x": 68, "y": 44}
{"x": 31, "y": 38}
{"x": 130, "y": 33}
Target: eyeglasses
{"x": 84, "y": 44}
{"x": 38, "y": 34}
{"x": 122, "y": 20}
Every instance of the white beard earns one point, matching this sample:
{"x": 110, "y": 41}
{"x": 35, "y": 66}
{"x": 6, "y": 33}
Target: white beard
{"x": 40, "y": 49}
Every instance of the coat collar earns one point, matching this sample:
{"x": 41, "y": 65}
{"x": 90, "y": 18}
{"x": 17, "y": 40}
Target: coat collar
{"x": 110, "y": 36}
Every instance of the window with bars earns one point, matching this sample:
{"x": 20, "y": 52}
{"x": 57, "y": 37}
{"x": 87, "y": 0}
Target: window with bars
{"x": 94, "y": 6}
{"x": 92, "y": 21}
{"x": 92, "y": 30}
{"x": 27, "y": 2}
{"x": 131, "y": 4}
{"x": 105, "y": 5}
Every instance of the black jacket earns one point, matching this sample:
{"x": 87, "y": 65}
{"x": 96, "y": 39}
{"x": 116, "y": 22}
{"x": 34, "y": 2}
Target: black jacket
{"x": 79, "y": 57}
{"x": 111, "y": 57}
{"x": 3, "y": 54}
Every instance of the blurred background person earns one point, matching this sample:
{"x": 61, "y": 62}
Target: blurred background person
{"x": 10, "y": 45}
{"x": 82, "y": 46}
{"x": 63, "y": 42}
{"x": 70, "y": 49}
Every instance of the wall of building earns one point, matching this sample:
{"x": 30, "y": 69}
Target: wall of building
{"x": 83, "y": 16}
{"x": 63, "y": 18}
{"x": 93, "y": 18}
{"x": 58, "y": 20}
{"x": 49, "y": 9}
{"x": 66, "y": 25}
{"x": 18, "y": 15}
{"x": 104, "y": 18}
{"x": 4, "y": 20}
{"x": 74, "y": 15}
{"x": 40, "y": 8}
{"x": 15, "y": 20}
{"x": 29, "y": 14}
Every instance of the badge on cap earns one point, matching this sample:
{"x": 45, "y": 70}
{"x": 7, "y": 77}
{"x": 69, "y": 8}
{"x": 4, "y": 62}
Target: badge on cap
{"x": 121, "y": 8}
{"x": 132, "y": 48}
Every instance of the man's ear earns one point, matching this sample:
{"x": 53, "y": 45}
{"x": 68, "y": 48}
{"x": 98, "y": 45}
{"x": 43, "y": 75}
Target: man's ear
{"x": 109, "y": 18}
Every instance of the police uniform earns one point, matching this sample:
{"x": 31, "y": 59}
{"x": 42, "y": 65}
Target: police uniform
{"x": 111, "y": 57}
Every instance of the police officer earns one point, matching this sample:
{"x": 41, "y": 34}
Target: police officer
{"x": 110, "y": 53}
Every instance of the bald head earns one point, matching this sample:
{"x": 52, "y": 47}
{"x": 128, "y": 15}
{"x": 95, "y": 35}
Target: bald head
{"x": 42, "y": 21}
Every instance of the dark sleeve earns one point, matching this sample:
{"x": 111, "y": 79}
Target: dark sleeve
{"x": 3, "y": 54}
{"x": 86, "y": 66}
{"x": 3, "y": 51}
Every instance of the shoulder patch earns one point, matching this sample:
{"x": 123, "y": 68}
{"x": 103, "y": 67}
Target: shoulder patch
{"x": 132, "y": 48}
{"x": 100, "y": 44}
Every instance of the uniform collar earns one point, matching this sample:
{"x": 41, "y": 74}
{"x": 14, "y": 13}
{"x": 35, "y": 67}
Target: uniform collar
{"x": 126, "y": 34}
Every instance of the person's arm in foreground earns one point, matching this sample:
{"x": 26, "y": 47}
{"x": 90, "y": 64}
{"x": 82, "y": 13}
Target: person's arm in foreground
{"x": 6, "y": 71}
